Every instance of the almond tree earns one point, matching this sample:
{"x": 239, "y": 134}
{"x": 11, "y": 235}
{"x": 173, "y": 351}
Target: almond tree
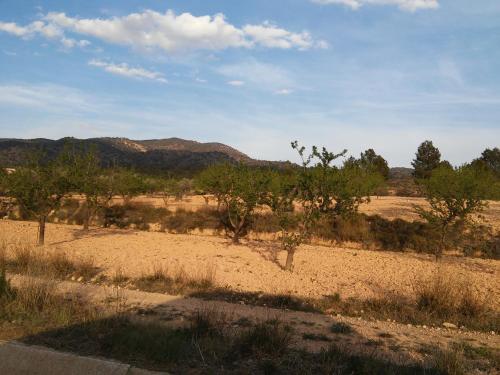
{"x": 38, "y": 187}
{"x": 455, "y": 194}
{"x": 321, "y": 188}
{"x": 128, "y": 184}
{"x": 238, "y": 190}
{"x": 87, "y": 180}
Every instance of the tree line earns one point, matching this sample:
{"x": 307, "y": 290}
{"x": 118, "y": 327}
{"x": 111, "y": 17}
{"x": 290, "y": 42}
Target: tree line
{"x": 298, "y": 196}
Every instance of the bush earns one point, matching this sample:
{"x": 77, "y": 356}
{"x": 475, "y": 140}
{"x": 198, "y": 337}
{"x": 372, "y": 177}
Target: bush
{"x": 270, "y": 338}
{"x": 182, "y": 221}
{"x": 138, "y": 215}
{"x": 341, "y": 328}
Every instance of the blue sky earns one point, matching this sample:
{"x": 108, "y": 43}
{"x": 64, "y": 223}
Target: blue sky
{"x": 256, "y": 74}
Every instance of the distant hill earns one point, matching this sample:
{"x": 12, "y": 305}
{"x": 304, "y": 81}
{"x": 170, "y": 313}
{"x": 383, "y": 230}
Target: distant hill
{"x": 172, "y": 155}
{"x": 400, "y": 173}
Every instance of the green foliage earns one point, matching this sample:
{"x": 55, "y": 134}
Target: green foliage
{"x": 426, "y": 160}
{"x": 38, "y": 188}
{"x": 127, "y": 183}
{"x": 238, "y": 190}
{"x": 455, "y": 195}
{"x": 88, "y": 179}
{"x": 375, "y": 163}
{"x": 321, "y": 188}
{"x": 491, "y": 160}
{"x": 3, "y": 180}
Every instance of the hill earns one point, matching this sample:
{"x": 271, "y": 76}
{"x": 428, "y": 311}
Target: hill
{"x": 172, "y": 155}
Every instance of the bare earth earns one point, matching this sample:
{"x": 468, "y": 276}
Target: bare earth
{"x": 319, "y": 270}
{"x": 255, "y": 266}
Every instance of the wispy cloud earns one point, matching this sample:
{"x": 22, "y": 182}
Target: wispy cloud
{"x": 235, "y": 83}
{"x": 283, "y": 92}
{"x": 125, "y": 70}
{"x": 407, "y": 5}
{"x": 47, "y": 97}
{"x": 263, "y": 76}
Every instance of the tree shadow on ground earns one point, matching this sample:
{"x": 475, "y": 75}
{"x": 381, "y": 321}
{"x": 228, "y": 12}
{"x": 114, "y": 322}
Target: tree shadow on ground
{"x": 268, "y": 250}
{"x": 187, "y": 335}
{"x": 80, "y": 234}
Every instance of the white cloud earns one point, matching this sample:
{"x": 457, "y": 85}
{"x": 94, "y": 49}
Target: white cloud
{"x": 70, "y": 43}
{"x": 407, "y": 5}
{"x": 236, "y": 83}
{"x": 43, "y": 29}
{"x": 200, "y": 80}
{"x": 46, "y": 30}
{"x": 151, "y": 30}
{"x": 271, "y": 36}
{"x": 283, "y": 92}
{"x": 127, "y": 71}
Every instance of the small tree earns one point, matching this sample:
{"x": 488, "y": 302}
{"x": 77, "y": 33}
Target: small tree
{"x": 87, "y": 179}
{"x": 372, "y": 162}
{"x": 490, "y": 159}
{"x": 312, "y": 191}
{"x": 128, "y": 184}
{"x": 351, "y": 186}
{"x": 321, "y": 188}
{"x": 280, "y": 197}
{"x": 426, "y": 160}
{"x": 183, "y": 188}
{"x": 238, "y": 190}
{"x": 39, "y": 188}
{"x": 166, "y": 187}
{"x": 454, "y": 195}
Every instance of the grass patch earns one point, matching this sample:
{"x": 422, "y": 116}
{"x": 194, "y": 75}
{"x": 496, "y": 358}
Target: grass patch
{"x": 177, "y": 282}
{"x": 450, "y": 361}
{"x": 25, "y": 259}
{"x": 468, "y": 310}
{"x": 315, "y": 337}
{"x": 341, "y": 328}
{"x": 268, "y": 338}
{"x": 445, "y": 296}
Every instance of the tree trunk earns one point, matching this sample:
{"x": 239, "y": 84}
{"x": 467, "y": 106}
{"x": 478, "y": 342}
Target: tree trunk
{"x": 86, "y": 220}
{"x": 41, "y": 230}
{"x": 440, "y": 250}
{"x": 289, "y": 260}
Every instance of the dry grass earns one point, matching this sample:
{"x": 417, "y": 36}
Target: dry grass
{"x": 207, "y": 343}
{"x": 35, "y": 295}
{"x": 449, "y": 361}
{"x": 119, "y": 276}
{"x": 448, "y": 296}
{"x": 177, "y": 281}
{"x": 26, "y": 259}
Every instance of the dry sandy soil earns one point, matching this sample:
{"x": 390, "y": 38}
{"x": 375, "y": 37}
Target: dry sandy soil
{"x": 252, "y": 266}
{"x": 255, "y": 266}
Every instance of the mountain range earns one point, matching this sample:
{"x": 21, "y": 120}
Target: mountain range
{"x": 171, "y": 155}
